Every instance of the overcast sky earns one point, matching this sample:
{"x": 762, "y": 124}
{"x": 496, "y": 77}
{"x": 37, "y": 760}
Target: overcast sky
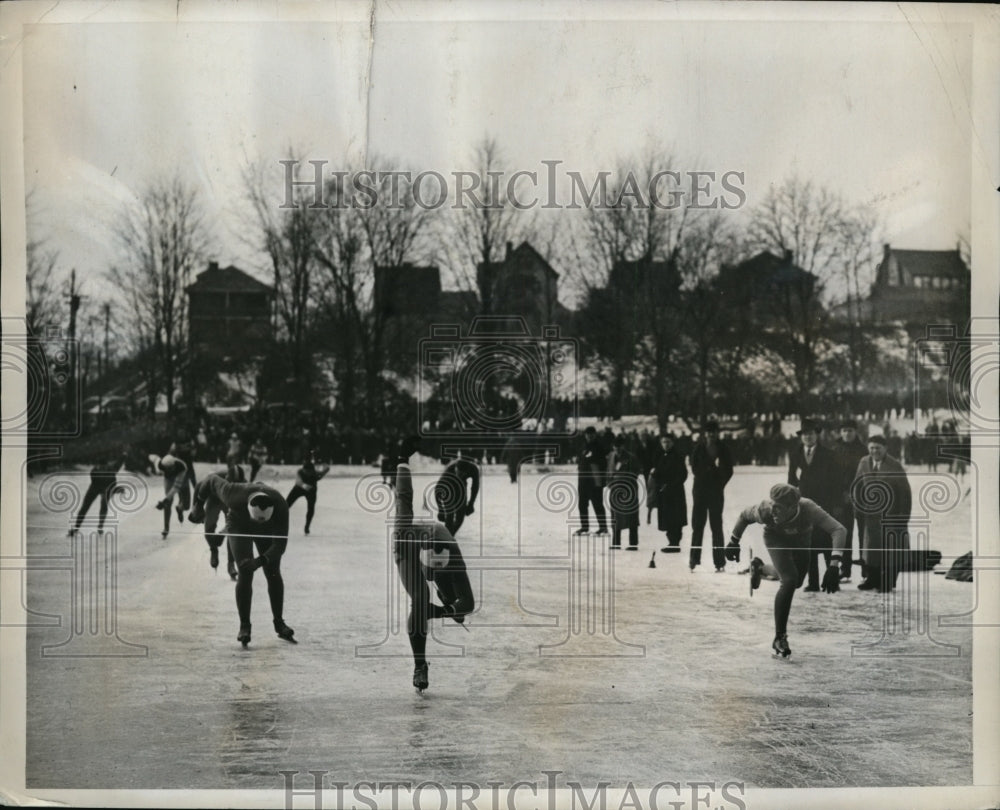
{"x": 877, "y": 111}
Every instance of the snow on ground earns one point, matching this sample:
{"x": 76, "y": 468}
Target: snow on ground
{"x": 663, "y": 674}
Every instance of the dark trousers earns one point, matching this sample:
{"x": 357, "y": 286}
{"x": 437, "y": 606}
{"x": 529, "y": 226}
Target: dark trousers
{"x": 849, "y": 518}
{"x": 242, "y": 548}
{"x": 790, "y": 558}
{"x": 454, "y": 519}
{"x": 674, "y": 537}
{"x": 707, "y": 506}
{"x": 452, "y": 584}
{"x": 310, "y": 496}
{"x": 633, "y": 536}
{"x": 591, "y": 494}
{"x": 97, "y": 489}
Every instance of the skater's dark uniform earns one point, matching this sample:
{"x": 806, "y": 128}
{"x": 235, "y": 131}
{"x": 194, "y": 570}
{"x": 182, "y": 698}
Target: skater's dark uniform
{"x": 591, "y": 466}
{"x": 413, "y": 543}
{"x": 885, "y": 541}
{"x": 184, "y": 452}
{"x": 213, "y": 510}
{"x": 623, "y": 493}
{"x": 789, "y": 521}
{"x": 455, "y": 493}
{"x": 257, "y": 515}
{"x": 306, "y": 480}
{"x": 103, "y": 484}
{"x": 813, "y": 470}
{"x": 175, "y": 483}
{"x": 666, "y": 492}
{"x": 712, "y": 467}
{"x": 849, "y": 450}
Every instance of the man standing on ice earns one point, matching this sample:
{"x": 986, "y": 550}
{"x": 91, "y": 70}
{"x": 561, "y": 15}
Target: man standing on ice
{"x": 789, "y": 521}
{"x": 426, "y": 552}
{"x": 256, "y": 516}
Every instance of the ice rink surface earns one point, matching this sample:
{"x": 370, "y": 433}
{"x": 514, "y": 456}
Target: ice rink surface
{"x": 577, "y": 659}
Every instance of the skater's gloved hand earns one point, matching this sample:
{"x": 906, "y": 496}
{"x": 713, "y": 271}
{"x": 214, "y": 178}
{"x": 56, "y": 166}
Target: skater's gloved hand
{"x": 251, "y": 564}
{"x": 831, "y": 579}
{"x": 470, "y": 509}
{"x": 733, "y": 550}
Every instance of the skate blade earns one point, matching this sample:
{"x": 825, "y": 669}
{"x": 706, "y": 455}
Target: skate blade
{"x": 289, "y": 639}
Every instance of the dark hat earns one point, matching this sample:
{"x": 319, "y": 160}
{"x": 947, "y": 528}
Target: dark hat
{"x": 809, "y": 426}
{"x": 260, "y": 500}
{"x": 711, "y": 424}
{"x": 619, "y": 439}
{"x": 409, "y": 446}
{"x": 848, "y": 423}
{"x": 785, "y": 494}
{"x": 668, "y": 435}
{"x": 877, "y": 439}
{"x": 591, "y": 430}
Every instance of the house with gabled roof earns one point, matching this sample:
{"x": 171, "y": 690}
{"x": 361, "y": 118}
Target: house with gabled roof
{"x": 921, "y": 287}
{"x": 229, "y": 311}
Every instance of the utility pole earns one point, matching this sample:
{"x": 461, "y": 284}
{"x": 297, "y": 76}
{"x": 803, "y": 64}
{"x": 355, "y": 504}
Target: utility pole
{"x": 74, "y": 306}
{"x": 101, "y": 373}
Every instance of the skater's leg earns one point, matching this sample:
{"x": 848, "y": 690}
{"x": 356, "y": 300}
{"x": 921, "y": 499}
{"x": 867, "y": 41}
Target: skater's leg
{"x": 88, "y": 499}
{"x": 310, "y": 508}
{"x": 407, "y": 556}
{"x": 242, "y": 548}
{"x": 633, "y": 536}
{"x": 583, "y": 504}
{"x": 103, "y": 513}
{"x": 715, "y": 523}
{"x": 272, "y": 572}
{"x": 453, "y": 587}
{"x": 597, "y": 498}
{"x": 699, "y": 516}
{"x": 790, "y": 557}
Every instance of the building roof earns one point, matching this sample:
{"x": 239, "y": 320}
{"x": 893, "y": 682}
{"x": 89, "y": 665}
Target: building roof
{"x": 227, "y": 279}
{"x": 767, "y": 268}
{"x": 930, "y": 262}
{"x": 526, "y": 250}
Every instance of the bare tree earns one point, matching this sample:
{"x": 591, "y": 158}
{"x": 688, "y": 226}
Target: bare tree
{"x": 286, "y": 236}
{"x": 482, "y": 221}
{"x": 352, "y": 243}
{"x": 802, "y": 223}
{"x": 163, "y": 238}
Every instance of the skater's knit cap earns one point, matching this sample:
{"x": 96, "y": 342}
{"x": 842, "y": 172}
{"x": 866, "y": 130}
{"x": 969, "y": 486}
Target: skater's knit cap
{"x": 785, "y": 494}
{"x": 260, "y": 500}
{"x": 876, "y": 439}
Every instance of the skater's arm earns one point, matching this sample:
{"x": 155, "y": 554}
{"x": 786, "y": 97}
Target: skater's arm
{"x": 218, "y": 488}
{"x": 821, "y": 519}
{"x": 474, "y": 478}
{"x": 752, "y": 514}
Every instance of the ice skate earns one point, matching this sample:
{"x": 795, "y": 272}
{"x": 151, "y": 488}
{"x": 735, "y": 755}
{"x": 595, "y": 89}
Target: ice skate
{"x": 163, "y": 534}
{"x": 180, "y": 515}
{"x": 285, "y": 632}
{"x": 244, "y": 635}
{"x": 420, "y": 681}
{"x": 214, "y": 557}
{"x": 231, "y": 568}
{"x": 780, "y": 647}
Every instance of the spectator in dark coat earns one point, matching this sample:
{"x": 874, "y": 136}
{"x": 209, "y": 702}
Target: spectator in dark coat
{"x": 591, "y": 465}
{"x": 666, "y": 492}
{"x": 882, "y": 498}
{"x": 712, "y": 466}
{"x": 849, "y": 450}
{"x": 813, "y": 469}
{"x": 623, "y": 493}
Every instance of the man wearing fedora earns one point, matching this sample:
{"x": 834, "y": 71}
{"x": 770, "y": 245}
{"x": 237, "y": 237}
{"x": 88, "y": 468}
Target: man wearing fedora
{"x": 712, "y": 467}
{"x": 882, "y": 498}
{"x": 849, "y": 450}
{"x": 812, "y": 468}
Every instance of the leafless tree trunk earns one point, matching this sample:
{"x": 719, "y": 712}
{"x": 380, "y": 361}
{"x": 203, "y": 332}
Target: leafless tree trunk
{"x": 163, "y": 239}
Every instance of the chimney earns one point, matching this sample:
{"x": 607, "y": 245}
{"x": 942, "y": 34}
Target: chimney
{"x": 213, "y": 266}
{"x": 788, "y": 256}
{"x": 510, "y": 249}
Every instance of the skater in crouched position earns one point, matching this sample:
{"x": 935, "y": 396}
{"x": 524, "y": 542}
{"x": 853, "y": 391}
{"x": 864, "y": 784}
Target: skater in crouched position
{"x": 306, "y": 480}
{"x": 175, "y": 482}
{"x": 789, "y": 521}
{"x": 426, "y": 552}
{"x": 213, "y": 510}
{"x": 257, "y": 515}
